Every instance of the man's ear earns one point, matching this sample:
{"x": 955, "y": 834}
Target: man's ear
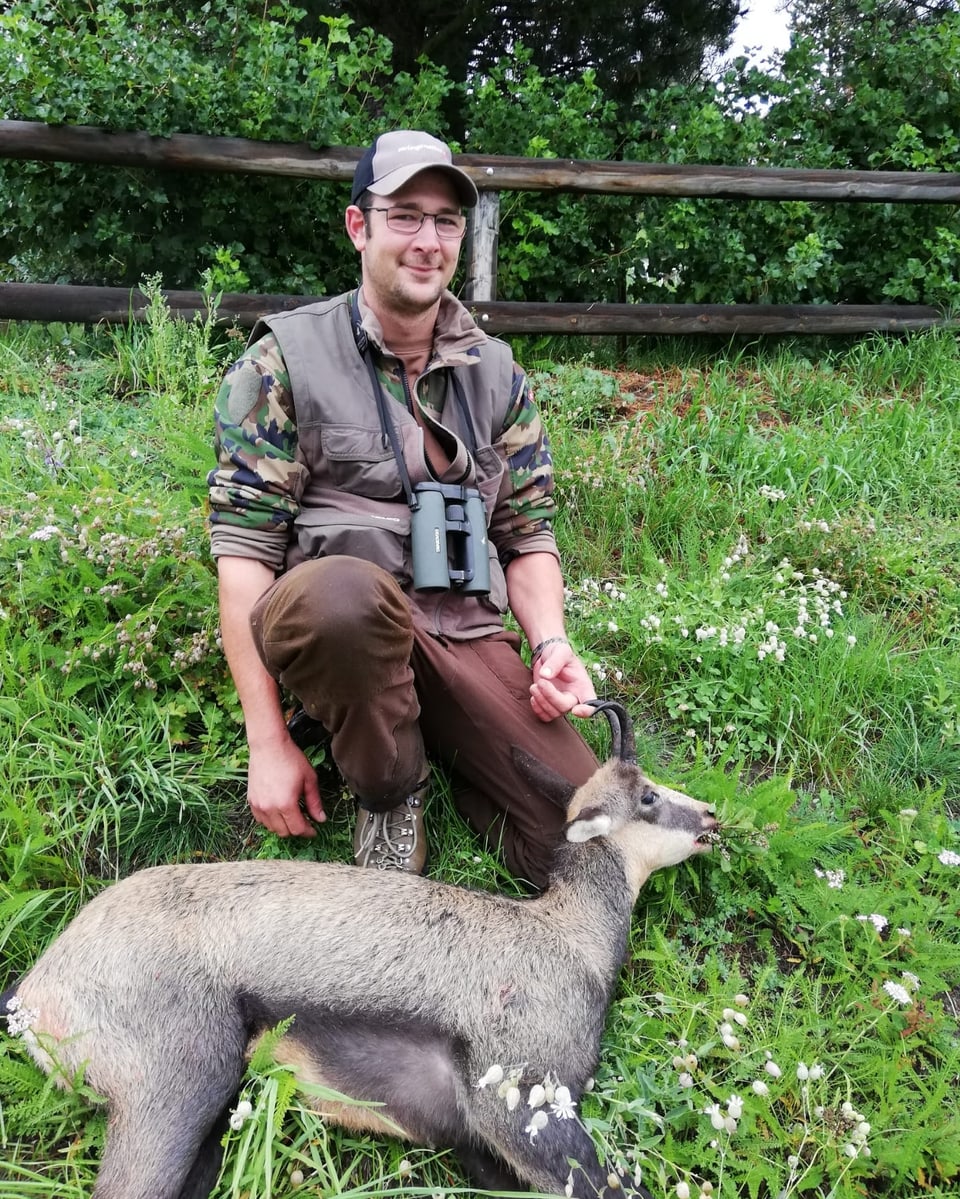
{"x": 356, "y": 226}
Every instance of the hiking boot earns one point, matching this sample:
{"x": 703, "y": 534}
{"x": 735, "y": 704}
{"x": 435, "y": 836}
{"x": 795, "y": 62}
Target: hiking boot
{"x": 392, "y": 840}
{"x": 305, "y": 731}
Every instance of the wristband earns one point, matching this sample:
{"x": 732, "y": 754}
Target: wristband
{"x": 538, "y": 650}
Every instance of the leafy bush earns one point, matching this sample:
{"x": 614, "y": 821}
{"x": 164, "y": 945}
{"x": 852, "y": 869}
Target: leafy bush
{"x": 249, "y": 72}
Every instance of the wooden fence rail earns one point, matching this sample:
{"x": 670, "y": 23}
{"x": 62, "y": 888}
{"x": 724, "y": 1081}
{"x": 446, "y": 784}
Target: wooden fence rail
{"x": 117, "y": 305}
{"x": 28, "y": 140}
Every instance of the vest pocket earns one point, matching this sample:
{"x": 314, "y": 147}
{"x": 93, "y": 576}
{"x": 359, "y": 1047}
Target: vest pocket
{"x": 358, "y": 462}
{"x": 382, "y": 540}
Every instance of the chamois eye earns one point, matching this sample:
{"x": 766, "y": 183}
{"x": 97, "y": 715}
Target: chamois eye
{"x": 649, "y": 796}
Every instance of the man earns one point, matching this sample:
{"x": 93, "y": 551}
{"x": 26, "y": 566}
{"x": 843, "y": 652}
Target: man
{"x": 340, "y": 431}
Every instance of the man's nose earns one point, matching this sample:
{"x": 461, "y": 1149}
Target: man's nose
{"x": 427, "y": 234}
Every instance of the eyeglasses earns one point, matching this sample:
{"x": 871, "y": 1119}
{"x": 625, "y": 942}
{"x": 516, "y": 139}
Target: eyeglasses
{"x": 451, "y": 226}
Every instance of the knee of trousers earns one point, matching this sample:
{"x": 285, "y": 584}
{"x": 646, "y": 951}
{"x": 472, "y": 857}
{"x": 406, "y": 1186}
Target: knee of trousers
{"x": 336, "y": 619}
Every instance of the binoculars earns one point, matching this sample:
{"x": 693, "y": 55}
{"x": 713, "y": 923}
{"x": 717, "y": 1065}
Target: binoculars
{"x": 448, "y": 531}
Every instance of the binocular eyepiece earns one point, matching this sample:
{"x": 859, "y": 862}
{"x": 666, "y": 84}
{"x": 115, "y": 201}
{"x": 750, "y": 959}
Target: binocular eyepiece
{"x": 448, "y": 531}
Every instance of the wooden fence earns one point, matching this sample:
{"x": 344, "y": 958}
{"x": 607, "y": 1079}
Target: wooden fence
{"x": 35, "y": 141}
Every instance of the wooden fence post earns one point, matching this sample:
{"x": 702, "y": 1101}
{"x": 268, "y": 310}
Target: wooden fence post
{"x": 481, "y": 257}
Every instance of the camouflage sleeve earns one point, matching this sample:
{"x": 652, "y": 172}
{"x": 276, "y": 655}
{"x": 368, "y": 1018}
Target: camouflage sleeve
{"x": 523, "y": 519}
{"x": 256, "y": 486}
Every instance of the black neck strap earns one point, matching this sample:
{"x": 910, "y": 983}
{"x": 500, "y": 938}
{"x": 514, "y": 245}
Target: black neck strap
{"x": 383, "y": 404}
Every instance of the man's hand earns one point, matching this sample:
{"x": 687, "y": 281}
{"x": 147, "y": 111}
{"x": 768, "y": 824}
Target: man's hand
{"x": 560, "y": 684}
{"x": 282, "y": 789}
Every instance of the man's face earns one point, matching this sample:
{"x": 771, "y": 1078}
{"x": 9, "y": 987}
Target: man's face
{"x": 404, "y": 274}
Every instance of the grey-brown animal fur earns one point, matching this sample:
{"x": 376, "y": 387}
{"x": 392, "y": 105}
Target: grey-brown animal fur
{"x": 404, "y": 990}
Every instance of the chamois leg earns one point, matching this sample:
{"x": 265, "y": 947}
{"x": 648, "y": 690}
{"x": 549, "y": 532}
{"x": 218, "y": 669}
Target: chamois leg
{"x": 166, "y": 1145}
{"x": 561, "y": 1154}
{"x": 486, "y": 1171}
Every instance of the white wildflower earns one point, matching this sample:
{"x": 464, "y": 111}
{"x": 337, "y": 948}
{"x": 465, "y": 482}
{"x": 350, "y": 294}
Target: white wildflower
{"x": 716, "y": 1116}
{"x": 897, "y": 991}
{"x": 948, "y": 857}
{"x": 513, "y": 1098}
{"x": 44, "y": 534}
{"x": 493, "y": 1077}
{"x": 296, "y": 1178}
{"x": 563, "y": 1106}
{"x": 685, "y": 1080}
{"x": 538, "y": 1121}
{"x": 802, "y": 1072}
{"x": 879, "y": 922}
{"x": 735, "y": 1107}
{"x": 911, "y": 980}
{"x": 760, "y": 1088}
{"x": 20, "y": 1019}
{"x": 241, "y": 1113}
{"x": 537, "y": 1097}
{"x": 741, "y": 1000}
{"x": 683, "y": 1190}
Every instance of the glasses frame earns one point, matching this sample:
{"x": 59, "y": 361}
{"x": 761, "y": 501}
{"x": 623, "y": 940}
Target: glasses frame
{"x": 411, "y": 212}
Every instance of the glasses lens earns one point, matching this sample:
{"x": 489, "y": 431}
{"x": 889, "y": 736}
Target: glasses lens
{"x": 449, "y": 225}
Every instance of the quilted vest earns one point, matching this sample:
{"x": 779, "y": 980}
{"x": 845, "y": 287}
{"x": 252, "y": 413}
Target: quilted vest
{"x": 353, "y": 502}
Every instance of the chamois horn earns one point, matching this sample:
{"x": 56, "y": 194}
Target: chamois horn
{"x": 622, "y": 744}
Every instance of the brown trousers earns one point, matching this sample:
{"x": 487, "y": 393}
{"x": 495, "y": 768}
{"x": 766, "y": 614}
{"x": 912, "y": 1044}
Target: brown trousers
{"x": 339, "y": 634}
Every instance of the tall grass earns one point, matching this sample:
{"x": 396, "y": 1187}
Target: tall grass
{"x": 762, "y": 552}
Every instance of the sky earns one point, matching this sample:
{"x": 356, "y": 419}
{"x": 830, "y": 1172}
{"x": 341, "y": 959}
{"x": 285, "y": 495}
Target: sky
{"x": 762, "y": 31}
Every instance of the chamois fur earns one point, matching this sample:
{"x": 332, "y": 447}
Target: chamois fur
{"x": 404, "y": 992}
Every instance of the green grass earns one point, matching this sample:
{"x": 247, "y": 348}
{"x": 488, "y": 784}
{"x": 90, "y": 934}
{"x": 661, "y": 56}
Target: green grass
{"x": 762, "y": 551}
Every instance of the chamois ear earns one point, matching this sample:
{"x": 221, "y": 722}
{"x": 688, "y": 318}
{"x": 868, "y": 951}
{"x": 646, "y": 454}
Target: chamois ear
{"x": 590, "y": 822}
{"x": 550, "y": 784}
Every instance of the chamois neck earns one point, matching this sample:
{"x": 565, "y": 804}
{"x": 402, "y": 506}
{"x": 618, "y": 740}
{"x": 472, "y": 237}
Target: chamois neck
{"x": 591, "y": 897}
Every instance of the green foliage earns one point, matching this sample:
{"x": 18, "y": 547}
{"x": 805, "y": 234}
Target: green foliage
{"x": 881, "y": 111}
{"x": 781, "y": 994}
{"x": 242, "y": 73}
{"x": 774, "y": 1057}
{"x": 889, "y": 103}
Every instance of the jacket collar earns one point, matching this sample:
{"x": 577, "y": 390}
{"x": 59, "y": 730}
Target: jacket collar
{"x": 456, "y": 336}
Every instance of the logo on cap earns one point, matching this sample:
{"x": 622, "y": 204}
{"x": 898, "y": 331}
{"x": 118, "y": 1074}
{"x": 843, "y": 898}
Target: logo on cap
{"x": 396, "y": 157}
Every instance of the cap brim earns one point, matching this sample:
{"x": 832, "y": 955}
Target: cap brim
{"x": 391, "y": 183}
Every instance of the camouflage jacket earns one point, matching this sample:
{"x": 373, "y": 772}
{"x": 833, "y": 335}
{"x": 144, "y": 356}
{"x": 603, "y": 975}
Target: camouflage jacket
{"x": 304, "y": 468}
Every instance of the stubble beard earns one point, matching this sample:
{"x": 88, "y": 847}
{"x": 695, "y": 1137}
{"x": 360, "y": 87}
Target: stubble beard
{"x": 408, "y": 299}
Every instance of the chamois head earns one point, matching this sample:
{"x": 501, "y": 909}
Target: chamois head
{"x": 654, "y": 826}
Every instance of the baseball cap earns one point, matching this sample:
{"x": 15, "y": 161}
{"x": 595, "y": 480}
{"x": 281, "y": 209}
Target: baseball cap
{"x": 394, "y": 159}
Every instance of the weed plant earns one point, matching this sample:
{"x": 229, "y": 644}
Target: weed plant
{"x": 763, "y": 562}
